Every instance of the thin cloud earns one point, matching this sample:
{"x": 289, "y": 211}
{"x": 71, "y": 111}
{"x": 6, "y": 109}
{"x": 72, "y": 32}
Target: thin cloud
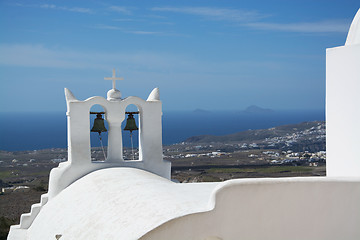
{"x": 235, "y": 15}
{"x": 55, "y": 7}
{"x": 254, "y": 19}
{"x": 137, "y": 32}
{"x": 37, "y": 56}
{"x": 120, "y": 9}
{"x": 29, "y": 55}
{"x": 329, "y": 26}
{"x": 107, "y": 27}
{"x": 144, "y": 32}
{"x": 155, "y": 16}
{"x": 51, "y": 6}
{"x": 74, "y": 9}
{"x": 128, "y": 20}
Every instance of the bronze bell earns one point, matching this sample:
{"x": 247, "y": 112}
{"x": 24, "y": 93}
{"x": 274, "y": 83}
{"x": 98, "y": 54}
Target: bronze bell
{"x": 99, "y": 125}
{"x": 130, "y": 123}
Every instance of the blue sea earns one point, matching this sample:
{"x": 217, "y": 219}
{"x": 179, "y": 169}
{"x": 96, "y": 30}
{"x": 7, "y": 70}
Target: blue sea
{"x": 30, "y": 131}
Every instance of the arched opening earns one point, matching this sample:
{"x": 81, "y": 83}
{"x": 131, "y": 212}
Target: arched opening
{"x": 98, "y": 133}
{"x": 130, "y": 134}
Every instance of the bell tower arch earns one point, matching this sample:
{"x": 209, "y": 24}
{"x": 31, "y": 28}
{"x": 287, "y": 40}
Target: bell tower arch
{"x": 131, "y": 131}
{"x": 98, "y": 133}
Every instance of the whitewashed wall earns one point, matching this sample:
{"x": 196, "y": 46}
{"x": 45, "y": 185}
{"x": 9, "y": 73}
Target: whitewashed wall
{"x": 343, "y": 105}
{"x": 311, "y": 208}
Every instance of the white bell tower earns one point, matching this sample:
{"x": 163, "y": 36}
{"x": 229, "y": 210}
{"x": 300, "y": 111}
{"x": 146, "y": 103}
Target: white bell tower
{"x": 79, "y": 150}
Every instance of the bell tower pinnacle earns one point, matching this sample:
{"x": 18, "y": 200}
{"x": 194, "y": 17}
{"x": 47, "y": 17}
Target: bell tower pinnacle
{"x": 113, "y": 94}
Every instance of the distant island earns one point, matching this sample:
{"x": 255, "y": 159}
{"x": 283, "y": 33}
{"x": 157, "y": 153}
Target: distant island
{"x": 257, "y": 110}
{"x": 199, "y": 110}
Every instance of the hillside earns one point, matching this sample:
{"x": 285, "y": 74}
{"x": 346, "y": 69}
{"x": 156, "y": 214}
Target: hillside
{"x": 303, "y": 136}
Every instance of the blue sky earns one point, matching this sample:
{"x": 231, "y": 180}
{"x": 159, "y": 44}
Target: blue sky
{"x": 201, "y": 54}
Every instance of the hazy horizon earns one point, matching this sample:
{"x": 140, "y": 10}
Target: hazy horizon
{"x": 178, "y": 110}
{"x": 21, "y": 131}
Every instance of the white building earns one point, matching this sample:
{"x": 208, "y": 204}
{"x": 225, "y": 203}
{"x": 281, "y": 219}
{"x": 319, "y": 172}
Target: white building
{"x": 118, "y": 199}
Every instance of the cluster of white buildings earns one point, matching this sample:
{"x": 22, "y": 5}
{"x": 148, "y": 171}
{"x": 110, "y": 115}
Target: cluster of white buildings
{"x": 195, "y": 155}
{"x": 289, "y": 156}
{"x": 313, "y": 133}
{"x": 286, "y": 157}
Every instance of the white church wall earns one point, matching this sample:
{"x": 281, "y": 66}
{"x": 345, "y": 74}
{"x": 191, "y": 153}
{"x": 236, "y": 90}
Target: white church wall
{"x": 320, "y": 208}
{"x": 343, "y": 106}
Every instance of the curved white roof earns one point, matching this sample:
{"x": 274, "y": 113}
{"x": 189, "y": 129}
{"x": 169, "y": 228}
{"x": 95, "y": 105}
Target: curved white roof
{"x": 114, "y": 202}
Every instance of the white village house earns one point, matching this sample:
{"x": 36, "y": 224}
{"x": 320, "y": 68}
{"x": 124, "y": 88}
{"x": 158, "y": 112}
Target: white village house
{"x": 118, "y": 199}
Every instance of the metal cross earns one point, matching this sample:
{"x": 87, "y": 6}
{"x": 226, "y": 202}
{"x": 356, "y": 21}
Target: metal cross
{"x": 114, "y": 78}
